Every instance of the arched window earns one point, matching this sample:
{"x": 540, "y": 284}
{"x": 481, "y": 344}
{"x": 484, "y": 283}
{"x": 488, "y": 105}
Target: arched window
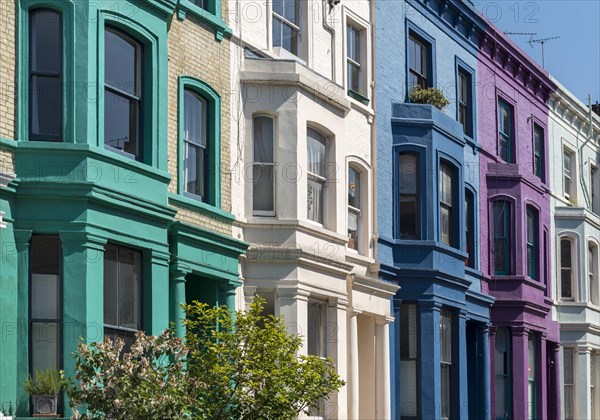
{"x": 533, "y": 246}
{"x": 123, "y": 94}
{"x": 566, "y": 269}
{"x": 501, "y": 222}
{"x": 317, "y": 176}
{"x": 196, "y": 153}
{"x": 408, "y": 196}
{"x": 593, "y": 273}
{"x": 354, "y": 208}
{"x": 448, "y": 209}
{"x": 263, "y": 176}
{"x": 45, "y": 75}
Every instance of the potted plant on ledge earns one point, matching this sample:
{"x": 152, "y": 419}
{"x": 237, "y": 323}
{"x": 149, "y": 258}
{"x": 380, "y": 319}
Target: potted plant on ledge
{"x": 44, "y": 390}
{"x": 429, "y": 96}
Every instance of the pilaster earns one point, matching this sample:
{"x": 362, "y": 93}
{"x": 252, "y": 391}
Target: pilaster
{"x": 583, "y": 382}
{"x": 461, "y": 397}
{"x": 156, "y": 292}
{"x": 353, "y": 366}
{"x": 22, "y": 243}
{"x": 177, "y": 275}
{"x": 382, "y": 366}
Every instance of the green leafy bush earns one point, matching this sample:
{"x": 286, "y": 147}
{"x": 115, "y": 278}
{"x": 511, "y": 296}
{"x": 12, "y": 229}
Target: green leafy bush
{"x": 429, "y": 96}
{"x": 46, "y": 382}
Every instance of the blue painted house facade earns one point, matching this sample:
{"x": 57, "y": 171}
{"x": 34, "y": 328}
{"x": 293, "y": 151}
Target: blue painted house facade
{"x": 428, "y": 184}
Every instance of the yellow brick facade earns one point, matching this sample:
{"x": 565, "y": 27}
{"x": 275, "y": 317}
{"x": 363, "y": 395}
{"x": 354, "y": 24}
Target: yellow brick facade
{"x": 8, "y": 62}
{"x": 194, "y": 52}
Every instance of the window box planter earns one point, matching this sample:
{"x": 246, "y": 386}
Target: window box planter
{"x": 357, "y": 96}
{"x": 44, "y": 405}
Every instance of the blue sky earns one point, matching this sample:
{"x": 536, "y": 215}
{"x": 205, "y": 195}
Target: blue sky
{"x": 574, "y": 58}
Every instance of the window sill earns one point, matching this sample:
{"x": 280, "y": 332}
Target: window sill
{"x": 205, "y": 16}
{"x": 358, "y": 97}
{"x": 200, "y": 207}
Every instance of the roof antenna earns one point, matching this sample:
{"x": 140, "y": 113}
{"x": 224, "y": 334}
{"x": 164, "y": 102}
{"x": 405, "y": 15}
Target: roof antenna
{"x": 542, "y": 41}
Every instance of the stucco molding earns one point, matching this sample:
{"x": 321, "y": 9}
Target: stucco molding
{"x": 373, "y": 286}
{"x": 292, "y": 73}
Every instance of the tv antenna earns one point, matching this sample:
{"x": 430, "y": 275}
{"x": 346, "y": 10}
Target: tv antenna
{"x": 542, "y": 41}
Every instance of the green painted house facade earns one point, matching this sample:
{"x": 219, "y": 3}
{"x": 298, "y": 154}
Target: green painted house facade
{"x": 95, "y": 241}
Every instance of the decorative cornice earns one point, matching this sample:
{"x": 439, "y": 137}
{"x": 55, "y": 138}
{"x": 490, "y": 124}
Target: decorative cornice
{"x": 506, "y": 56}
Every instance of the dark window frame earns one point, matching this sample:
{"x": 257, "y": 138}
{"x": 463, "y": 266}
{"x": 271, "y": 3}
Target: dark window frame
{"x": 126, "y": 333}
{"x": 532, "y": 243}
{"x": 416, "y": 196}
{"x": 506, "y": 136}
{"x": 32, "y": 73}
{"x": 465, "y": 100}
{"x": 451, "y": 207}
{"x": 197, "y": 145}
{"x": 470, "y": 220}
{"x": 566, "y": 270}
{"x": 507, "y": 374}
{"x": 137, "y": 99}
{"x": 505, "y": 238}
{"x": 539, "y": 143}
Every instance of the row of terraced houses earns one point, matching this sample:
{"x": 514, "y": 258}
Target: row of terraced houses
{"x": 155, "y": 152}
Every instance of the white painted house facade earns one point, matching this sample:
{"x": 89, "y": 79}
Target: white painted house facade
{"x": 575, "y": 185}
{"x": 303, "y": 185}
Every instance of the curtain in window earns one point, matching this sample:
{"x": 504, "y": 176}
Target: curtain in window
{"x": 263, "y": 176}
{"x": 316, "y": 148}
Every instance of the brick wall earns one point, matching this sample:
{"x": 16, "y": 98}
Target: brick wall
{"x": 194, "y": 52}
{"x": 8, "y": 62}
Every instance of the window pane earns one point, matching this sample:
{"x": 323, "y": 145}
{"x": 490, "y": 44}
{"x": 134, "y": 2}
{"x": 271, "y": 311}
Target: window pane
{"x": 408, "y": 216}
{"x": 200, "y": 3}
{"x": 446, "y": 184}
{"x": 353, "y": 229}
{"x": 129, "y": 288}
{"x": 194, "y": 170}
{"x": 46, "y": 106}
{"x": 46, "y": 41}
{"x": 45, "y": 342}
{"x": 45, "y": 296}
{"x": 501, "y": 237}
{"x": 316, "y": 152}
{"x": 263, "y": 139}
{"x": 316, "y": 329}
{"x": 121, "y": 62}
{"x": 120, "y": 123}
{"x": 354, "y": 77}
{"x": 565, "y": 253}
{"x": 408, "y": 173}
{"x": 316, "y": 190}
{"x": 111, "y": 273}
{"x": 353, "y": 188}
{"x": 194, "y": 119}
{"x": 446, "y": 336}
{"x": 262, "y": 181}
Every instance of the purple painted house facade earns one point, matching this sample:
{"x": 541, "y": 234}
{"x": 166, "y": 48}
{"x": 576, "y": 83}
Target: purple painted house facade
{"x": 515, "y": 230}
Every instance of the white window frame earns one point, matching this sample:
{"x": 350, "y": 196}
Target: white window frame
{"x": 272, "y": 164}
{"x": 572, "y": 241}
{"x": 594, "y": 188}
{"x": 362, "y": 187}
{"x": 280, "y": 50}
{"x": 593, "y": 286}
{"x": 324, "y": 180}
{"x": 569, "y": 194}
{"x": 572, "y": 386}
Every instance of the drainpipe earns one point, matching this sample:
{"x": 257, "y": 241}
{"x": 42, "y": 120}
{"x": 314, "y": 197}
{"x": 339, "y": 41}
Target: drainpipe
{"x": 331, "y": 30}
{"x": 590, "y": 137}
{"x": 374, "y": 131}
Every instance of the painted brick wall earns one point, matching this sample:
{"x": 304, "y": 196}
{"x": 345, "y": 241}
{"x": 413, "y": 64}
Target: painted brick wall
{"x": 8, "y": 64}
{"x": 193, "y": 51}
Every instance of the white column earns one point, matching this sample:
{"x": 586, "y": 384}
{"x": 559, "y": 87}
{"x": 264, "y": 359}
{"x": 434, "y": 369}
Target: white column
{"x": 583, "y": 399}
{"x": 293, "y": 306}
{"x": 353, "y": 372}
{"x": 382, "y": 367}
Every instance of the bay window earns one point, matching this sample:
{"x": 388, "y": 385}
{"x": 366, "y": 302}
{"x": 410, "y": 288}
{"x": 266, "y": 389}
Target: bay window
{"x": 569, "y": 382}
{"x": 45, "y": 303}
{"x": 122, "y": 93}
{"x": 263, "y": 175}
{"x": 45, "y": 75}
{"x": 409, "y": 196}
{"x": 409, "y": 361}
{"x": 593, "y": 273}
{"x": 447, "y": 210}
{"x": 501, "y": 223}
{"x": 531, "y": 376}
{"x": 566, "y": 269}
{"x": 502, "y": 369}
{"x": 532, "y": 243}
{"x": 122, "y": 292}
{"x": 446, "y": 356}
{"x": 470, "y": 228}
{"x": 317, "y": 177}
